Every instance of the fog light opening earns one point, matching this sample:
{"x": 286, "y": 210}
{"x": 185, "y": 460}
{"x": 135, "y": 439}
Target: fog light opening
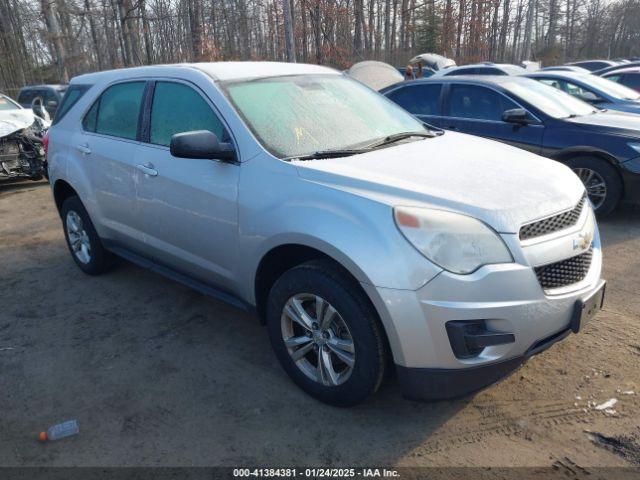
{"x": 468, "y": 338}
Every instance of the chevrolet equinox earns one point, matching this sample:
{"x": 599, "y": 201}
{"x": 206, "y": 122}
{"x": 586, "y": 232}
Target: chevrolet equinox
{"x": 365, "y": 239}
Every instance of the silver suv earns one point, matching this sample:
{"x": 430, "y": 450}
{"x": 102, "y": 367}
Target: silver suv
{"x": 364, "y": 239}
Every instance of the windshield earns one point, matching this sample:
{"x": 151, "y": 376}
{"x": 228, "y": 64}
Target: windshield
{"x": 301, "y": 114}
{"x": 7, "y": 104}
{"x": 611, "y": 88}
{"x": 549, "y": 100}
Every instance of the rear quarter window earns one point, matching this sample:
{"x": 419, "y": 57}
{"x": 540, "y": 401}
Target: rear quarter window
{"x": 70, "y": 98}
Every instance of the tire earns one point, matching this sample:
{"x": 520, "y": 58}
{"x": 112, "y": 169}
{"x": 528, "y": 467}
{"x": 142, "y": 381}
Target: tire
{"x": 98, "y": 260}
{"x": 354, "y": 326}
{"x": 589, "y": 169}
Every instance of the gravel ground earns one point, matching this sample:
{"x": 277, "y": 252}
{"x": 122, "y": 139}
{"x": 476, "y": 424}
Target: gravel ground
{"x": 159, "y": 375}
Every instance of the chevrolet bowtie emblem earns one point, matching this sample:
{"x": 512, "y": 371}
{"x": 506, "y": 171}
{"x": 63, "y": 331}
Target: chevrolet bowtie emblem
{"x": 583, "y": 241}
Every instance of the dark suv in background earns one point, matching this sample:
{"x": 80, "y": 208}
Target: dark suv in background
{"x": 603, "y": 148}
{"x": 51, "y": 96}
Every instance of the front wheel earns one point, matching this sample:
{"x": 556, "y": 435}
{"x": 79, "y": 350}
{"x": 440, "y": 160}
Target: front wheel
{"x": 326, "y": 334}
{"x": 601, "y": 181}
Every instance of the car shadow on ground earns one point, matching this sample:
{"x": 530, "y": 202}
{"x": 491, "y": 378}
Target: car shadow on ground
{"x": 17, "y": 185}
{"x": 157, "y": 373}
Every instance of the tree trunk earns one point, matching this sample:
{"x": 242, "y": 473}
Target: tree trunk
{"x": 288, "y": 31}
{"x": 53, "y": 28}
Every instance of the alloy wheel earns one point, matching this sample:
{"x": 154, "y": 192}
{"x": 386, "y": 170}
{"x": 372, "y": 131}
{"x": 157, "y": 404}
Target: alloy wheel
{"x": 78, "y": 237}
{"x": 595, "y": 185}
{"x": 318, "y": 339}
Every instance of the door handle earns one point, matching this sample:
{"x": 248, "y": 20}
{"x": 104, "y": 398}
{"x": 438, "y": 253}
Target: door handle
{"x": 147, "y": 169}
{"x": 84, "y": 149}
{"x": 452, "y": 127}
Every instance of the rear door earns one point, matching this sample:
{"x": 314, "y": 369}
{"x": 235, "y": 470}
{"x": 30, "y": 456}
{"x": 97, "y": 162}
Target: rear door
{"x": 423, "y": 100}
{"x": 477, "y": 110}
{"x": 188, "y": 207}
{"x": 106, "y": 147}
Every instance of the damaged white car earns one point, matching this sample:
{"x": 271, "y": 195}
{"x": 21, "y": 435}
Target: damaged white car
{"x": 21, "y": 140}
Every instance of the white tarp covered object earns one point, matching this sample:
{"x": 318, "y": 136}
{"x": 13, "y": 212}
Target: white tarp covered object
{"x": 375, "y": 75}
{"x": 432, "y": 61}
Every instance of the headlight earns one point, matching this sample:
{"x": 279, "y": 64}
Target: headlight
{"x": 452, "y": 241}
{"x": 635, "y": 146}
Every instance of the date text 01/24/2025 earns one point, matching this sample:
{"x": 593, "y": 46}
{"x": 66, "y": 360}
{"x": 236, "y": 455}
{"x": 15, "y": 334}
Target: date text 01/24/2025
{"x": 316, "y": 472}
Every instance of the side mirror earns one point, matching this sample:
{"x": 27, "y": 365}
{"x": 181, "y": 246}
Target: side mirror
{"x": 517, "y": 115}
{"x": 200, "y": 144}
{"x": 38, "y": 109}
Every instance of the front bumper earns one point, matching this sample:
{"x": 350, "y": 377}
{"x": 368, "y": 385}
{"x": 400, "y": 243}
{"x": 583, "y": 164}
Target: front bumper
{"x": 441, "y": 384}
{"x": 507, "y": 297}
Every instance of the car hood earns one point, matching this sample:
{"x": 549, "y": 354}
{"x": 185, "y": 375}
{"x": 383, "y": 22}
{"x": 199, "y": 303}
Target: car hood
{"x": 630, "y": 106}
{"x": 619, "y": 123}
{"x": 13, "y": 120}
{"x": 501, "y": 185}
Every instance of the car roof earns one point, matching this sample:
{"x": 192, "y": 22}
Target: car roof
{"x": 480, "y": 65}
{"x": 561, "y": 74}
{"x": 610, "y": 62}
{"x": 222, "y": 71}
{"x": 492, "y": 80}
{"x": 622, "y": 70}
{"x": 54, "y": 86}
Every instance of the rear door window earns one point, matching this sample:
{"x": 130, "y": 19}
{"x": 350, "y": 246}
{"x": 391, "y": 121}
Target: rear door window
{"x": 178, "y": 108}
{"x": 419, "y": 99}
{"x": 117, "y": 111}
{"x": 479, "y": 103}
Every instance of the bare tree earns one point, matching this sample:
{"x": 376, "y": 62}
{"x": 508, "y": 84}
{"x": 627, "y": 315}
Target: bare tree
{"x": 50, "y": 40}
{"x": 51, "y": 21}
{"x": 288, "y": 31}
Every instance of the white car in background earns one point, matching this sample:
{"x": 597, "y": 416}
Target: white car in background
{"x": 487, "y": 68}
{"x": 21, "y": 135}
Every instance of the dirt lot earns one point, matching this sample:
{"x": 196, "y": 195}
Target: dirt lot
{"x": 159, "y": 375}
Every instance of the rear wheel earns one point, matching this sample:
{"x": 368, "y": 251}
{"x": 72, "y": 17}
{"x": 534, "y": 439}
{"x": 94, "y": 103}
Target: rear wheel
{"x": 325, "y": 334}
{"x": 601, "y": 180}
{"x": 82, "y": 239}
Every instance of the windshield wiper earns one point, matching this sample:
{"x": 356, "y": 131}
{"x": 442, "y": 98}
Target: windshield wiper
{"x": 339, "y": 152}
{"x": 346, "y": 152}
{"x": 396, "y": 137}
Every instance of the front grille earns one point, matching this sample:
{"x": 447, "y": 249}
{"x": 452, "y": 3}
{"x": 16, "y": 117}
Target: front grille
{"x": 565, "y": 272}
{"x": 553, "y": 224}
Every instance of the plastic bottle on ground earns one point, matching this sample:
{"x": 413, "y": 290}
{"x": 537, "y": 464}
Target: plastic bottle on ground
{"x": 61, "y": 430}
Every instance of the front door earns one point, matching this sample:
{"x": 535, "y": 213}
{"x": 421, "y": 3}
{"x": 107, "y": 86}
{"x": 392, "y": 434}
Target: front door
{"x": 188, "y": 207}
{"x": 478, "y": 110}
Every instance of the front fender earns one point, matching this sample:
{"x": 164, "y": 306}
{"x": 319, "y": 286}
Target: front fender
{"x": 357, "y": 232}
{"x": 566, "y": 153}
